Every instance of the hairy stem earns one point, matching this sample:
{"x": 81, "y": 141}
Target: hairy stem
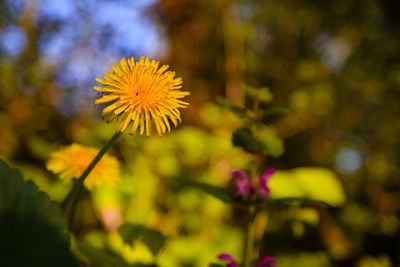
{"x": 250, "y": 237}
{"x": 73, "y": 194}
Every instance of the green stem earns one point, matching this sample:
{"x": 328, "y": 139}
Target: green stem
{"x": 250, "y": 236}
{"x": 256, "y": 106}
{"x": 73, "y": 194}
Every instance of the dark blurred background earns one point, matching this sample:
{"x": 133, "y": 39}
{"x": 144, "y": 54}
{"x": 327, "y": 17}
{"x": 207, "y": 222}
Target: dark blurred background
{"x": 334, "y": 64}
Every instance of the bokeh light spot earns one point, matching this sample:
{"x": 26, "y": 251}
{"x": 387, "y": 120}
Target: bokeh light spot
{"x": 348, "y": 160}
{"x": 13, "y": 40}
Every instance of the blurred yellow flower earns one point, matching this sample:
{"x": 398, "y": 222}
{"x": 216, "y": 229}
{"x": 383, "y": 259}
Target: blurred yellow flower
{"x": 142, "y": 92}
{"x": 70, "y": 162}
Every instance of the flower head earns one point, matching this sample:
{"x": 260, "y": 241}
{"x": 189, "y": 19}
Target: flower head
{"x": 70, "y": 162}
{"x": 141, "y": 92}
{"x": 245, "y": 187}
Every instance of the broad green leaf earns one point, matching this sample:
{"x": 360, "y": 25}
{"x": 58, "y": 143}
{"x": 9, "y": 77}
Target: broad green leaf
{"x": 313, "y": 183}
{"x": 262, "y": 94}
{"x": 224, "y": 194}
{"x": 216, "y": 265}
{"x": 32, "y": 229}
{"x": 152, "y": 238}
{"x": 100, "y": 258}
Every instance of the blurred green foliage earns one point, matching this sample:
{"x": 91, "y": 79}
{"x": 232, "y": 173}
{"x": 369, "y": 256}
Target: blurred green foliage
{"x": 152, "y": 238}
{"x": 313, "y": 183}
{"x": 301, "y": 83}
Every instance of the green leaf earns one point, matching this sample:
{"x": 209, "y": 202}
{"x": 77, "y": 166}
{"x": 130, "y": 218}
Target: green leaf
{"x": 223, "y": 194}
{"x": 272, "y": 144}
{"x": 101, "y": 258}
{"x": 32, "y": 229}
{"x": 245, "y": 139}
{"x": 152, "y": 238}
{"x": 262, "y": 141}
{"x": 215, "y": 265}
{"x": 313, "y": 183}
{"x": 261, "y": 94}
{"x": 239, "y": 111}
{"x": 272, "y": 115}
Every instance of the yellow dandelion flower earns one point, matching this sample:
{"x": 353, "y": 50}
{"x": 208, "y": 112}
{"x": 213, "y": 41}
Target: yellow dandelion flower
{"x": 70, "y": 162}
{"x": 141, "y": 92}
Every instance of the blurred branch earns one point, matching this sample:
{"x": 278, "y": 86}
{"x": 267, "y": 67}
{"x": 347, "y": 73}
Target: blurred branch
{"x": 234, "y": 52}
{"x": 28, "y": 20}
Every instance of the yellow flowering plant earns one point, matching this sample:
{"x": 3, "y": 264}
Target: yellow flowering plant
{"x": 140, "y": 92}
{"x": 70, "y": 162}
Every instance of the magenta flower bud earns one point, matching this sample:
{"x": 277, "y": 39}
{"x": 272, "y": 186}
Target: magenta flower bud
{"x": 242, "y": 182}
{"x": 266, "y": 260}
{"x": 229, "y": 258}
{"x": 263, "y": 180}
{"x": 269, "y": 171}
{"x": 245, "y": 188}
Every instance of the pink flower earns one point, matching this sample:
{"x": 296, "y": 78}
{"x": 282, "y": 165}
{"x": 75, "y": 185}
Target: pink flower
{"x": 228, "y": 257}
{"x": 266, "y": 260}
{"x": 233, "y": 263}
{"x": 246, "y": 189}
{"x": 263, "y": 180}
{"x": 242, "y": 182}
